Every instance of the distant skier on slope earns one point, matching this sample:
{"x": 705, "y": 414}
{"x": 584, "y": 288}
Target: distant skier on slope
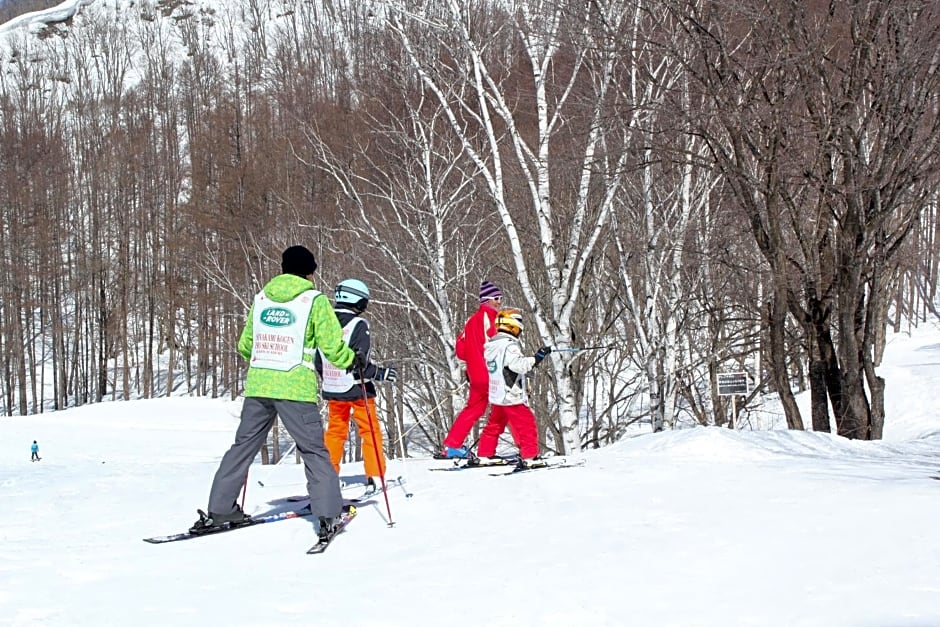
{"x": 507, "y": 368}
{"x": 35, "y": 450}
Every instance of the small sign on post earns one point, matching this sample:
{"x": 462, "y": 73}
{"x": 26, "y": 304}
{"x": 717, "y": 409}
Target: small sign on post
{"x": 732, "y": 384}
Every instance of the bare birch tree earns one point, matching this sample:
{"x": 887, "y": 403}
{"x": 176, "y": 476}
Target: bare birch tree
{"x": 663, "y": 203}
{"x": 409, "y": 219}
{"x": 510, "y": 122}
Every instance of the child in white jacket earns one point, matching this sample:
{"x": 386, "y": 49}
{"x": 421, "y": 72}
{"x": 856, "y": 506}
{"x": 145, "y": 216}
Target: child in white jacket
{"x": 507, "y": 392}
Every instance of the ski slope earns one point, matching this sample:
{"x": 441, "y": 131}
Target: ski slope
{"x": 695, "y": 527}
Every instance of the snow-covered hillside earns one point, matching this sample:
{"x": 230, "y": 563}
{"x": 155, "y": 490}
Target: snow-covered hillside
{"x": 696, "y": 527}
{"x": 37, "y": 20}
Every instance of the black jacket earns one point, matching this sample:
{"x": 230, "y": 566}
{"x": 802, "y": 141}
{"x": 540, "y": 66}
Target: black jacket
{"x": 361, "y": 342}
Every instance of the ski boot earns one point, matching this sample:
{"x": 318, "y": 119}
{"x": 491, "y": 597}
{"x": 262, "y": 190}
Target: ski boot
{"x": 328, "y": 525}
{"x": 449, "y": 452}
{"x": 526, "y": 464}
{"x": 210, "y": 522}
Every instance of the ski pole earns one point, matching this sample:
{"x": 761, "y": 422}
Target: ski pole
{"x": 404, "y": 460}
{"x": 245, "y": 489}
{"x": 431, "y": 411}
{"x": 401, "y": 444}
{"x": 578, "y": 350}
{"x": 245, "y": 485}
{"x": 279, "y": 485}
{"x": 375, "y": 446}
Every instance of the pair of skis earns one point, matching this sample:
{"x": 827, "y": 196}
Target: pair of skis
{"x": 512, "y": 466}
{"x": 349, "y": 512}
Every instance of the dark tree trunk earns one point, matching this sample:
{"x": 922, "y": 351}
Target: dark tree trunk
{"x": 832, "y": 373}
{"x": 820, "y": 400}
{"x": 778, "y": 360}
{"x": 877, "y": 385}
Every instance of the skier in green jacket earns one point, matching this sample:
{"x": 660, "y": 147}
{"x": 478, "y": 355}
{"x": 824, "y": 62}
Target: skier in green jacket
{"x": 288, "y": 321}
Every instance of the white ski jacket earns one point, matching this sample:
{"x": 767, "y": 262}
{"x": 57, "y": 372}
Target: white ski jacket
{"x": 507, "y": 367}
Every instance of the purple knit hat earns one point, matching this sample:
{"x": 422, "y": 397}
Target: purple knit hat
{"x": 488, "y": 291}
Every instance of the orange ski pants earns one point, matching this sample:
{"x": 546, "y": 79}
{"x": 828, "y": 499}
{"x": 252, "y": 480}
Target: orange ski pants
{"x": 338, "y": 431}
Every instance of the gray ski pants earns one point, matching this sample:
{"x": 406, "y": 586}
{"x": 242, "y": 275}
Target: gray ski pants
{"x": 303, "y": 422}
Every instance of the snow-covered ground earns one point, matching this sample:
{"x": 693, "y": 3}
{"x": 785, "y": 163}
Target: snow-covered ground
{"x": 694, "y": 527}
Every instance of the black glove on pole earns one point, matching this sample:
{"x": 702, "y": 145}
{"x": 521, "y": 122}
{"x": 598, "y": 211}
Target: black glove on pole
{"x": 359, "y": 363}
{"x": 541, "y": 353}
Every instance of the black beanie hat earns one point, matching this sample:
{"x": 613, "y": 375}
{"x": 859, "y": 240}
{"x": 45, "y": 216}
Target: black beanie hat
{"x": 298, "y": 260}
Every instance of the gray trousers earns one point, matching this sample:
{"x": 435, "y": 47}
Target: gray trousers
{"x": 303, "y": 422}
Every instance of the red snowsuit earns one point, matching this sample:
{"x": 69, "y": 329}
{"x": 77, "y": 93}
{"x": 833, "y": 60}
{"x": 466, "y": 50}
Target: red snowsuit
{"x": 480, "y": 327}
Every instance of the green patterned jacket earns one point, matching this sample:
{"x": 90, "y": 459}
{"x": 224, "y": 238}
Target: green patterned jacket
{"x": 323, "y": 332}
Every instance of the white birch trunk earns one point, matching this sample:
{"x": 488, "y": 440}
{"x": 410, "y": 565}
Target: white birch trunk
{"x": 656, "y": 299}
{"x": 482, "y": 101}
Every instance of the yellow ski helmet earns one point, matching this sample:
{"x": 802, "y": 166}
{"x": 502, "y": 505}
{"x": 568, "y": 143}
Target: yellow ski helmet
{"x": 509, "y": 321}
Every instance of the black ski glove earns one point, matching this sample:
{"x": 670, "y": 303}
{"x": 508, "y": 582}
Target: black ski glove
{"x": 389, "y": 374}
{"x": 359, "y": 362}
{"x": 541, "y": 353}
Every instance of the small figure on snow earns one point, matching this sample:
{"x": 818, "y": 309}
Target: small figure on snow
{"x": 469, "y": 348}
{"x": 288, "y": 320}
{"x": 507, "y": 368}
{"x": 35, "y": 450}
{"x": 347, "y": 394}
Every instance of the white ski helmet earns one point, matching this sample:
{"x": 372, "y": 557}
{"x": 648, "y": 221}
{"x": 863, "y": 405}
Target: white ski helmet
{"x": 352, "y": 292}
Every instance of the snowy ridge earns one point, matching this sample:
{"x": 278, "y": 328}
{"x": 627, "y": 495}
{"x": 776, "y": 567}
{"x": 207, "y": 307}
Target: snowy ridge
{"x": 37, "y": 20}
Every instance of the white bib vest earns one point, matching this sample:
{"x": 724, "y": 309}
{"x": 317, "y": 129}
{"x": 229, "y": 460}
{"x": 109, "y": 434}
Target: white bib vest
{"x": 500, "y": 393}
{"x": 279, "y": 330}
{"x": 337, "y": 380}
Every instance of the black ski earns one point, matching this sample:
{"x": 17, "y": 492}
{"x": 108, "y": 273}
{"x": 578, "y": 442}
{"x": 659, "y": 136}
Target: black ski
{"x": 349, "y": 512}
{"x": 477, "y": 462}
{"x": 542, "y": 464}
{"x": 366, "y": 493}
{"x": 251, "y": 522}
{"x": 376, "y": 490}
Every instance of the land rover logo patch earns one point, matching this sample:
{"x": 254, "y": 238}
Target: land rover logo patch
{"x": 277, "y": 317}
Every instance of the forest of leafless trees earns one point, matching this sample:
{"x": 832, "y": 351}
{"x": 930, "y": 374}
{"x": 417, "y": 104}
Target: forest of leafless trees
{"x": 681, "y": 187}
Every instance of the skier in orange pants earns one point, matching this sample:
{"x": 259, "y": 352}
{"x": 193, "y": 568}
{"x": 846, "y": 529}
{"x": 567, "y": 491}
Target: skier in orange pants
{"x": 343, "y": 390}
{"x": 338, "y": 431}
